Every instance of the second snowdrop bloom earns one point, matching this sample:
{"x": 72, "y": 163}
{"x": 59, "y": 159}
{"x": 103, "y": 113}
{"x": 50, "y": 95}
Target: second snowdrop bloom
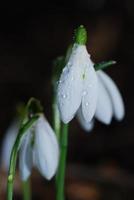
{"x": 78, "y": 82}
{"x": 110, "y": 103}
{"x": 39, "y": 148}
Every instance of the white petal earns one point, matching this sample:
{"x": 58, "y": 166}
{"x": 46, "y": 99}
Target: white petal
{"x": 8, "y": 143}
{"x": 46, "y": 149}
{"x": 90, "y": 92}
{"x": 25, "y": 156}
{"x": 104, "y": 109}
{"x": 87, "y": 126}
{"x": 114, "y": 93}
{"x": 70, "y": 84}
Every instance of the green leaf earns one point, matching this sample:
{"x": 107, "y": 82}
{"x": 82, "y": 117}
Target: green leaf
{"x": 104, "y": 65}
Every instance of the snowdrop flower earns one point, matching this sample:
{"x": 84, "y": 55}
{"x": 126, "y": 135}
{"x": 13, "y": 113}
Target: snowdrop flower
{"x": 110, "y": 103}
{"x": 39, "y": 148}
{"x": 78, "y": 82}
{"x": 8, "y": 143}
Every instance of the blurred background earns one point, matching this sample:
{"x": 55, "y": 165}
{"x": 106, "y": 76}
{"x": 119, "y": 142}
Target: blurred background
{"x": 100, "y": 163}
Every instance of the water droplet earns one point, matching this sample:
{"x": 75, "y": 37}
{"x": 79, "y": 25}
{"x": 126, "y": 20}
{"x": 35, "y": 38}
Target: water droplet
{"x": 60, "y": 81}
{"x": 87, "y": 103}
{"x": 64, "y": 96}
{"x": 69, "y": 64}
{"x": 10, "y": 177}
{"x": 65, "y": 69}
{"x": 84, "y": 93}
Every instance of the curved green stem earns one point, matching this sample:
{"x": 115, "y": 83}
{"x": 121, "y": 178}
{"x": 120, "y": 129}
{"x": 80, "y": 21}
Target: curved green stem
{"x": 62, "y": 164}
{"x": 14, "y": 153}
{"x": 61, "y": 131}
{"x": 56, "y": 125}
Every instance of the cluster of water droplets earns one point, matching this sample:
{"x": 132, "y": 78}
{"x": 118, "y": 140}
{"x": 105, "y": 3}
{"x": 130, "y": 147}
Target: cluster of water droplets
{"x": 84, "y": 93}
{"x": 66, "y": 72}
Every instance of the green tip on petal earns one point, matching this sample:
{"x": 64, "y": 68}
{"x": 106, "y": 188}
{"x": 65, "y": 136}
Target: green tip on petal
{"x": 80, "y": 36}
{"x": 103, "y": 65}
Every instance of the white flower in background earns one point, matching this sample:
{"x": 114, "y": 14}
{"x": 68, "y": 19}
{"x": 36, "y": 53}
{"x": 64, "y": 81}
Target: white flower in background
{"x": 8, "y": 143}
{"x": 110, "y": 103}
{"x": 78, "y": 84}
{"x": 40, "y": 149}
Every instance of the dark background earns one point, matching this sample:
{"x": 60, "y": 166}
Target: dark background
{"x": 33, "y": 35}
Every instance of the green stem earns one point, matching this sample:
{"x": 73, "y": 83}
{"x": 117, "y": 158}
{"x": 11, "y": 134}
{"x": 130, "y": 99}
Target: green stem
{"x": 13, "y": 158}
{"x": 56, "y": 124}
{"x": 56, "y": 119}
{"x": 26, "y": 190}
{"x": 62, "y": 164}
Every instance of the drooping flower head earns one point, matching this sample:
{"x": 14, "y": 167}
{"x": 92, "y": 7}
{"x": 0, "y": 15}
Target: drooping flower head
{"x": 78, "y": 82}
{"x": 40, "y": 149}
{"x": 38, "y": 145}
{"x": 86, "y": 90}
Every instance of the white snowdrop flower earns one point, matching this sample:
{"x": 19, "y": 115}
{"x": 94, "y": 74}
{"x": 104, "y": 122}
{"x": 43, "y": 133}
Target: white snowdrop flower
{"x": 78, "y": 83}
{"x": 110, "y": 103}
{"x": 40, "y": 149}
{"x": 114, "y": 94}
{"x": 8, "y": 142}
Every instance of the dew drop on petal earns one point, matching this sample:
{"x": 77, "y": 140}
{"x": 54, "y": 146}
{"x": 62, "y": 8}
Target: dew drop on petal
{"x": 84, "y": 93}
{"x": 87, "y": 104}
{"x": 58, "y": 82}
{"x": 64, "y": 96}
{"x": 69, "y": 64}
{"x": 64, "y": 70}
